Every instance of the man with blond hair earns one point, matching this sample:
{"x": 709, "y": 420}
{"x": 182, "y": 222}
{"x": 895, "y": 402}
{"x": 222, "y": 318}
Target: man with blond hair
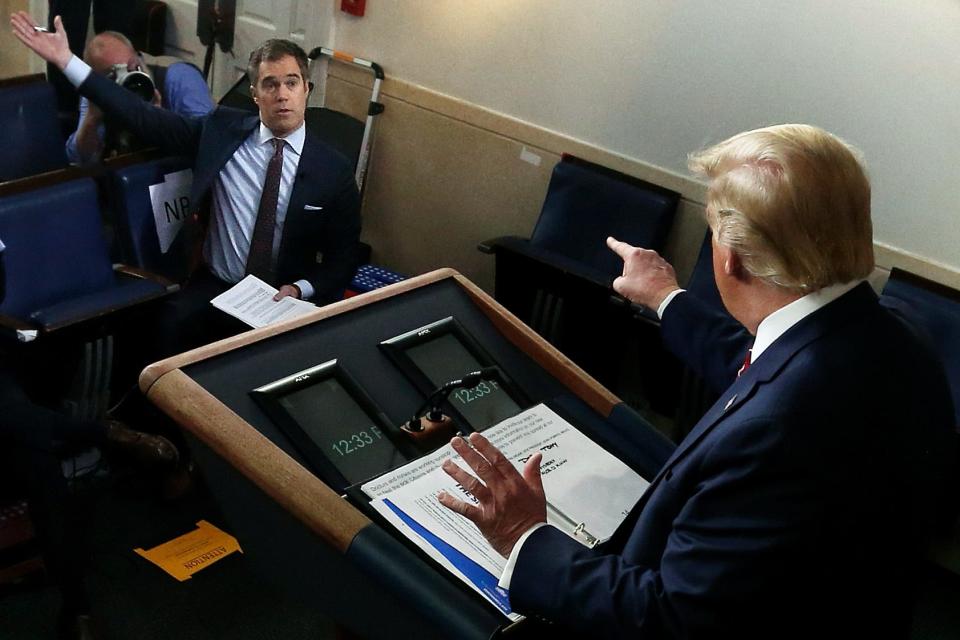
{"x": 796, "y": 507}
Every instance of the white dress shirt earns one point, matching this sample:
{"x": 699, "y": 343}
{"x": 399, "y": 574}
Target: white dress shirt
{"x": 236, "y": 199}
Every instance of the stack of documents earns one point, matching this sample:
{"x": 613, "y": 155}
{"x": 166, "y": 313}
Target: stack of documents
{"x": 589, "y": 492}
{"x": 251, "y": 301}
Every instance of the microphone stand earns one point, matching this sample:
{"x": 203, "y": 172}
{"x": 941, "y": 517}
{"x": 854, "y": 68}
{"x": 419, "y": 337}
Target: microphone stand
{"x": 432, "y": 411}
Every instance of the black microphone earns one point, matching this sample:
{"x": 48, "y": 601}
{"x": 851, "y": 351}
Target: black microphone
{"x": 431, "y": 409}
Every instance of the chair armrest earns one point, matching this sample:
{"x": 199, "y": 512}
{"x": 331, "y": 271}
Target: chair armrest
{"x": 143, "y": 274}
{"x": 127, "y": 292}
{"x": 14, "y": 324}
{"x": 16, "y": 329}
{"x": 639, "y": 312}
{"x": 491, "y": 245}
{"x": 524, "y": 248}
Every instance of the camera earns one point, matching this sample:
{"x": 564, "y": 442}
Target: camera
{"x": 134, "y": 79}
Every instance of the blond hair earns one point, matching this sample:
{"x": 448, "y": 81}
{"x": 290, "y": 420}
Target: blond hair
{"x": 793, "y": 201}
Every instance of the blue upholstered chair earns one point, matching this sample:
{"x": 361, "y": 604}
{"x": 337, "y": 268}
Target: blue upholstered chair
{"x": 935, "y": 309}
{"x": 58, "y": 271}
{"x": 31, "y": 129}
{"x": 702, "y": 283}
{"x": 584, "y": 204}
{"x": 559, "y": 280}
{"x": 135, "y": 231}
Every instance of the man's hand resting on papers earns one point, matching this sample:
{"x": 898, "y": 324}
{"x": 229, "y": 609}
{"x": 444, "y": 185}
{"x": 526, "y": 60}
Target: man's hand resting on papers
{"x": 52, "y": 47}
{"x": 287, "y": 290}
{"x": 509, "y": 504}
{"x": 647, "y": 278}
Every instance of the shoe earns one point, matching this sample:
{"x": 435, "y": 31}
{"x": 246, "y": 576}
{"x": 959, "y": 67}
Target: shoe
{"x": 144, "y": 447}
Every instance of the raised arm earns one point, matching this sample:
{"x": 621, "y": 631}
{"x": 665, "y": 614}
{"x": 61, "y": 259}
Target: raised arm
{"x": 172, "y": 132}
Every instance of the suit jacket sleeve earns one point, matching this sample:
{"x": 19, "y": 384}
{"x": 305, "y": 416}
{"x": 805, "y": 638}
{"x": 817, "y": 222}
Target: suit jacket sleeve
{"x": 740, "y": 531}
{"x": 710, "y": 342}
{"x": 172, "y": 132}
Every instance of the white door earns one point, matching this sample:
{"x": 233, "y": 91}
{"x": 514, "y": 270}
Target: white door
{"x": 306, "y": 22}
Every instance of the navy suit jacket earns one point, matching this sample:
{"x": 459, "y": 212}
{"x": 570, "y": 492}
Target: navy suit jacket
{"x": 324, "y": 179}
{"x": 794, "y": 508}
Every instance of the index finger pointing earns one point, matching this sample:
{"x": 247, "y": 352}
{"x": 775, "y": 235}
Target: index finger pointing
{"x": 622, "y": 249}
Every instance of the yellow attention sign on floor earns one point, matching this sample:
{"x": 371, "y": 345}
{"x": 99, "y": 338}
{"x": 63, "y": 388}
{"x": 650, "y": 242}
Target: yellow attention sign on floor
{"x": 185, "y": 555}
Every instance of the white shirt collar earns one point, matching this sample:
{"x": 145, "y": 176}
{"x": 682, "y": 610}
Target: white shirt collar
{"x": 778, "y": 322}
{"x": 295, "y": 138}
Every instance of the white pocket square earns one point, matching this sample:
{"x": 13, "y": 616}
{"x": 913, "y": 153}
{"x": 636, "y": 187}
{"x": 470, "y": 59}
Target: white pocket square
{"x": 310, "y": 207}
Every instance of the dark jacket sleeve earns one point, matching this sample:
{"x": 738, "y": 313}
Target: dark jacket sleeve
{"x": 739, "y": 532}
{"x": 172, "y": 132}
{"x": 710, "y": 342}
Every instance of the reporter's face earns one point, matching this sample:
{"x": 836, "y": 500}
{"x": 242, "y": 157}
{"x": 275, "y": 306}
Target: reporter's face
{"x": 281, "y": 94}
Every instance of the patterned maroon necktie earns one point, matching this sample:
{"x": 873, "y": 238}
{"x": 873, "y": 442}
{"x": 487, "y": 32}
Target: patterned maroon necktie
{"x": 260, "y": 257}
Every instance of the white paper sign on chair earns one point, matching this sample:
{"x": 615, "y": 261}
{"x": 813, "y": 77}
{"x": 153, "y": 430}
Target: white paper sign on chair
{"x": 170, "y": 200}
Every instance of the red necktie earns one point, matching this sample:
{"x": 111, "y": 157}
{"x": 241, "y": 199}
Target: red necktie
{"x": 746, "y": 363}
{"x": 260, "y": 257}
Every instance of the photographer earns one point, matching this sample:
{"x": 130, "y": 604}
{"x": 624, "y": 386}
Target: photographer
{"x": 179, "y": 87}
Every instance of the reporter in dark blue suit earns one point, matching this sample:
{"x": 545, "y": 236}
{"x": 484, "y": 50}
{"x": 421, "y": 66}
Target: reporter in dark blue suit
{"x": 313, "y": 209}
{"x": 797, "y": 506}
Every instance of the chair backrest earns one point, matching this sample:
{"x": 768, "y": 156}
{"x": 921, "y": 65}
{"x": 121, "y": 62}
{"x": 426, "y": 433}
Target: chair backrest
{"x": 935, "y": 309}
{"x": 585, "y": 203}
{"x": 31, "y": 130}
{"x": 149, "y": 26}
{"x": 342, "y": 132}
{"x": 134, "y": 222}
{"x": 54, "y": 246}
{"x": 702, "y": 283}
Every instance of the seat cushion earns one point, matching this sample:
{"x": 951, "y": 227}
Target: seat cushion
{"x": 124, "y": 293}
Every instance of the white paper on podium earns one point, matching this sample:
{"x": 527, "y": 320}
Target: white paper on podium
{"x": 584, "y": 484}
{"x": 170, "y": 201}
{"x": 251, "y": 301}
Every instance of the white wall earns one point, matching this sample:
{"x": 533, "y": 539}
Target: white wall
{"x": 656, "y": 79}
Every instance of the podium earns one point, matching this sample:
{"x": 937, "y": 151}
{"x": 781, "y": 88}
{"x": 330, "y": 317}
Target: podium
{"x": 305, "y": 537}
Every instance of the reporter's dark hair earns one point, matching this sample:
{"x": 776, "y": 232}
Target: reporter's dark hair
{"x": 273, "y": 50}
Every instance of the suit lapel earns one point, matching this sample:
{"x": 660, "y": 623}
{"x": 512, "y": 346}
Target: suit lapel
{"x": 309, "y": 172}
{"x": 204, "y": 176}
{"x": 765, "y": 369}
